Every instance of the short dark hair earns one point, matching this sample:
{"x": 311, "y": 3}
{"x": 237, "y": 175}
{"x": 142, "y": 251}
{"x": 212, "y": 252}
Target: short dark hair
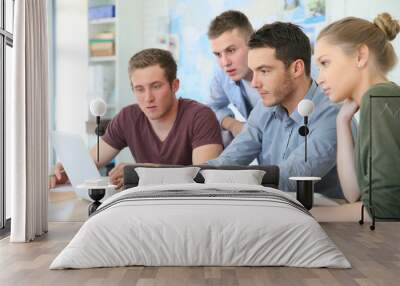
{"x": 288, "y": 40}
{"x": 227, "y": 21}
{"x": 152, "y": 57}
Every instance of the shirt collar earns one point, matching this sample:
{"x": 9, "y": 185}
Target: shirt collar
{"x": 280, "y": 112}
{"x": 310, "y": 95}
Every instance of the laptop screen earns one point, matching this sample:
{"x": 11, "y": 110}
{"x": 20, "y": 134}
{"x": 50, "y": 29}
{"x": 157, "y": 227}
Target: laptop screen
{"x": 75, "y": 157}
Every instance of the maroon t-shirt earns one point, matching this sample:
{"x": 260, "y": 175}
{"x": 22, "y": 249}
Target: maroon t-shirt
{"x": 195, "y": 125}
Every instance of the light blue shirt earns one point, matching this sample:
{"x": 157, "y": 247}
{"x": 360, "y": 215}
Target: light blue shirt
{"x": 272, "y": 135}
{"x": 223, "y": 91}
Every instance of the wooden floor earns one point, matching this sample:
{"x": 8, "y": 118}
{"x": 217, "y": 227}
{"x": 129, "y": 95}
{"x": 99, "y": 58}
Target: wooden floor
{"x": 66, "y": 207}
{"x": 375, "y": 257}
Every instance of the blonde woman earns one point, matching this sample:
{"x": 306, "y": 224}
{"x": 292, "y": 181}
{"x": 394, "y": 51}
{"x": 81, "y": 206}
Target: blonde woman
{"x": 354, "y": 56}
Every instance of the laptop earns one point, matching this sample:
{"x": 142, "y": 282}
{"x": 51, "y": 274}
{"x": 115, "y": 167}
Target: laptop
{"x": 78, "y": 164}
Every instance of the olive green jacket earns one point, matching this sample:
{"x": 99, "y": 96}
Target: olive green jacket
{"x": 385, "y": 152}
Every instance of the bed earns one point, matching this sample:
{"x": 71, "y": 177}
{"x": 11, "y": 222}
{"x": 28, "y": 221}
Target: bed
{"x": 201, "y": 224}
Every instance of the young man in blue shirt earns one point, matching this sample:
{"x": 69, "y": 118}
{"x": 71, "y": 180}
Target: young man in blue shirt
{"x": 228, "y": 34}
{"x": 280, "y": 58}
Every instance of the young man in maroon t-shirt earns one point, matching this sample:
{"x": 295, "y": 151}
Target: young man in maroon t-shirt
{"x": 160, "y": 128}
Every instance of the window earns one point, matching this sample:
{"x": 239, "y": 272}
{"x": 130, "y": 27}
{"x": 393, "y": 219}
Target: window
{"x": 9, "y": 19}
{"x": 6, "y": 44}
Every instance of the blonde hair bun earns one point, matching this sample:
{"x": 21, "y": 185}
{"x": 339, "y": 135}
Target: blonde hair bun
{"x": 388, "y": 25}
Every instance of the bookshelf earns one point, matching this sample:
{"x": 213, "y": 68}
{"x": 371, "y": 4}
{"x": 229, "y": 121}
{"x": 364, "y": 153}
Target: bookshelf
{"x": 102, "y": 52}
{"x": 112, "y": 40}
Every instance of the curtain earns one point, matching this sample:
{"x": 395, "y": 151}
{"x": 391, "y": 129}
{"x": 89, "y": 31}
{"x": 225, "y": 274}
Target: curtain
{"x": 28, "y": 121}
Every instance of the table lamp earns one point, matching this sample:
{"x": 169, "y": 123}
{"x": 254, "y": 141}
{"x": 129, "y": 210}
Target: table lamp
{"x": 305, "y": 108}
{"x": 305, "y": 185}
{"x": 98, "y": 108}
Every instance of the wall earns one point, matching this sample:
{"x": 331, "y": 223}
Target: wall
{"x": 143, "y": 24}
{"x": 71, "y": 62}
{"x": 189, "y": 20}
{"x": 130, "y": 34}
{"x": 368, "y": 10}
{"x": 71, "y": 66}
{"x": 147, "y": 20}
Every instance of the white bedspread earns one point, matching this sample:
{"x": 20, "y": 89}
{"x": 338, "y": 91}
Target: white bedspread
{"x": 182, "y": 231}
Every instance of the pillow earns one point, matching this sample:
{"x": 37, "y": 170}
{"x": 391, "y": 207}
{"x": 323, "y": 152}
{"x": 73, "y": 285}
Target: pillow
{"x": 248, "y": 177}
{"x": 163, "y": 176}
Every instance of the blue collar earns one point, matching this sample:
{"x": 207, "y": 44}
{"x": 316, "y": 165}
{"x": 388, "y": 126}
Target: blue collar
{"x": 280, "y": 112}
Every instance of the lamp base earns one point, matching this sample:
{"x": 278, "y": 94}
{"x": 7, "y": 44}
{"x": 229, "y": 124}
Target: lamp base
{"x": 305, "y": 193}
{"x": 96, "y": 195}
{"x": 305, "y": 190}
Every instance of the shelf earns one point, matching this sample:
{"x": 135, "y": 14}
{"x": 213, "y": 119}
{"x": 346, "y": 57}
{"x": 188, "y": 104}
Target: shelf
{"x": 102, "y": 59}
{"x": 102, "y": 21}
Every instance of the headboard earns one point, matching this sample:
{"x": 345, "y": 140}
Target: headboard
{"x": 270, "y": 179}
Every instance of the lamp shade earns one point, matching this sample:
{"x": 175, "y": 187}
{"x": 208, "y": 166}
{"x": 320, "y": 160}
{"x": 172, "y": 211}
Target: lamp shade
{"x": 98, "y": 107}
{"x": 305, "y": 107}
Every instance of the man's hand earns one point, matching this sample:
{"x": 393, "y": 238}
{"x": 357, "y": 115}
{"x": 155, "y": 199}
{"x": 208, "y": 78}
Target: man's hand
{"x": 347, "y": 111}
{"x": 59, "y": 177}
{"x": 232, "y": 125}
{"x": 117, "y": 175}
{"x": 236, "y": 128}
